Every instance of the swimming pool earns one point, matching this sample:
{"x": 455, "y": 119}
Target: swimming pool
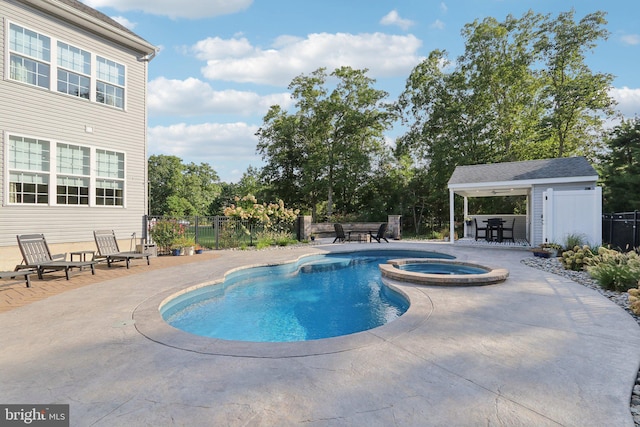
{"x": 319, "y": 296}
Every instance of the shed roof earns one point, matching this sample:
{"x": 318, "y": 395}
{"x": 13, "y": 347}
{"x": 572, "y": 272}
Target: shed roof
{"x": 520, "y": 175}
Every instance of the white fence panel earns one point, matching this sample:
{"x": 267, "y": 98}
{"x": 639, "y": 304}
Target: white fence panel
{"x": 577, "y": 212}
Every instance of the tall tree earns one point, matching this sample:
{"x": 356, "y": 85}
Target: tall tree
{"x": 329, "y": 146}
{"x": 576, "y": 98}
{"x": 179, "y": 189}
{"x": 620, "y": 168}
{"x": 520, "y": 91}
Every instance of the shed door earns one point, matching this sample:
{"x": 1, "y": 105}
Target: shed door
{"x": 577, "y": 212}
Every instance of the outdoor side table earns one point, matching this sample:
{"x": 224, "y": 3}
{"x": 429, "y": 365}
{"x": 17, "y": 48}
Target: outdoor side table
{"x": 82, "y": 255}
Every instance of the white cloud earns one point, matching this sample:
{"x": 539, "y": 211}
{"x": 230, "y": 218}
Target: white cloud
{"x": 193, "y": 9}
{"x": 628, "y": 101}
{"x": 229, "y": 148}
{"x": 443, "y": 7}
{"x": 438, "y": 25}
{"x": 124, "y": 22}
{"x": 631, "y": 39}
{"x": 192, "y": 97}
{"x": 393, "y": 18}
{"x": 383, "y": 54}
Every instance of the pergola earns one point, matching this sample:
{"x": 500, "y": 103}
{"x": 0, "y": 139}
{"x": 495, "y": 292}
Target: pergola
{"x": 526, "y": 178}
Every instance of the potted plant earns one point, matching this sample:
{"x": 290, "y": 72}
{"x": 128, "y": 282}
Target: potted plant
{"x": 199, "y": 249}
{"x": 468, "y": 219}
{"x": 547, "y": 250}
{"x": 183, "y": 246}
{"x": 312, "y": 236}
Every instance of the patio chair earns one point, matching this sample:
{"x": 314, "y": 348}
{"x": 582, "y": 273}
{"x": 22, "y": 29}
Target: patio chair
{"x": 340, "y": 234}
{"x": 480, "y": 229}
{"x": 380, "y": 234}
{"x": 37, "y": 256}
{"x": 108, "y": 249}
{"x": 17, "y": 275}
{"x": 510, "y": 230}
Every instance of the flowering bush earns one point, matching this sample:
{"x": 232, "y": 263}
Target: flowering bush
{"x": 166, "y": 232}
{"x": 271, "y": 215}
{"x": 615, "y": 270}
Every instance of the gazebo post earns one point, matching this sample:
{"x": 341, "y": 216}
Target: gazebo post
{"x": 451, "y": 219}
{"x": 465, "y": 214}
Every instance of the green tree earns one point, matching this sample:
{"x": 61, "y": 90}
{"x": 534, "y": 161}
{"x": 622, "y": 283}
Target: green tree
{"x": 620, "y": 168}
{"x": 178, "y": 189}
{"x": 575, "y": 97}
{"x": 520, "y": 91}
{"x": 327, "y": 149}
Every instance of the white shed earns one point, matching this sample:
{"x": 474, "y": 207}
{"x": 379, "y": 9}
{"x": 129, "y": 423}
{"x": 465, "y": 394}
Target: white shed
{"x": 562, "y": 195}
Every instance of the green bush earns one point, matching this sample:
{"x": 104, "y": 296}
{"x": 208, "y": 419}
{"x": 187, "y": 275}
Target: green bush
{"x": 573, "y": 240}
{"x": 165, "y": 232}
{"x": 268, "y": 238}
{"x": 615, "y": 271}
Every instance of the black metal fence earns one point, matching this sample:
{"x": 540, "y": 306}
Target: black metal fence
{"x": 621, "y": 231}
{"x": 215, "y": 232}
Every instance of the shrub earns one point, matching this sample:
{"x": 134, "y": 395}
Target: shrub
{"x": 615, "y": 271}
{"x": 575, "y": 259}
{"x": 573, "y": 239}
{"x": 634, "y": 299}
{"x": 165, "y": 232}
{"x": 269, "y": 238}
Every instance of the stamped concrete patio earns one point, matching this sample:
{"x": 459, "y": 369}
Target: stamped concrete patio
{"x": 535, "y": 350}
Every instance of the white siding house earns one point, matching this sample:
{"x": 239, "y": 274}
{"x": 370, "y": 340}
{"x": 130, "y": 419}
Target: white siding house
{"x": 576, "y": 207}
{"x": 73, "y": 123}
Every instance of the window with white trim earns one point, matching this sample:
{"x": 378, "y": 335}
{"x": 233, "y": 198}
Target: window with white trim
{"x": 77, "y": 72}
{"x": 30, "y": 56}
{"x": 72, "y": 180}
{"x": 43, "y": 172}
{"x": 110, "y": 178}
{"x": 110, "y": 82}
{"x": 74, "y": 71}
{"x": 29, "y": 170}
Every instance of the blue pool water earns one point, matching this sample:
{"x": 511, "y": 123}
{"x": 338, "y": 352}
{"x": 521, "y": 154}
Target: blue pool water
{"x": 441, "y": 268}
{"x": 317, "y": 297}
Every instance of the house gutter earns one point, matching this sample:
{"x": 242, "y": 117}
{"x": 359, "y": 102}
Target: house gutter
{"x": 94, "y": 25}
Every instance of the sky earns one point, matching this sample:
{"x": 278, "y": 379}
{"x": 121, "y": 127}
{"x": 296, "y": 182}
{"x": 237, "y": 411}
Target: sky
{"x": 222, "y": 63}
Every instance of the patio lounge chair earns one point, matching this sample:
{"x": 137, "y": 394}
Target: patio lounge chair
{"x": 380, "y": 235}
{"x": 18, "y": 274}
{"x": 36, "y": 255}
{"x": 340, "y": 235}
{"x": 108, "y": 249}
{"x": 480, "y": 229}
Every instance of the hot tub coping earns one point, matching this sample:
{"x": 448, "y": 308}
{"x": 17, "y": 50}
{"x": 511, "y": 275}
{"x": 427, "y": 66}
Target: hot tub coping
{"x": 492, "y": 275}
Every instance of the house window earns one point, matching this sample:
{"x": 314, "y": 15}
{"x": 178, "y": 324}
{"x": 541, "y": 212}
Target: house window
{"x": 72, "y": 181}
{"x": 30, "y": 56}
{"x": 28, "y": 170}
{"x": 74, "y": 69}
{"x": 110, "y": 182}
{"x": 110, "y": 82}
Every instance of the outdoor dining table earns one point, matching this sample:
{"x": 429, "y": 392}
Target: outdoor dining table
{"x": 494, "y": 226}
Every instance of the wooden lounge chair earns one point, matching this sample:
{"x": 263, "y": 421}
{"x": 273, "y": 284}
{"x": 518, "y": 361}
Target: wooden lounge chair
{"x": 380, "y": 234}
{"x": 37, "y": 256}
{"x": 108, "y": 248}
{"x": 340, "y": 234}
{"x": 18, "y": 274}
